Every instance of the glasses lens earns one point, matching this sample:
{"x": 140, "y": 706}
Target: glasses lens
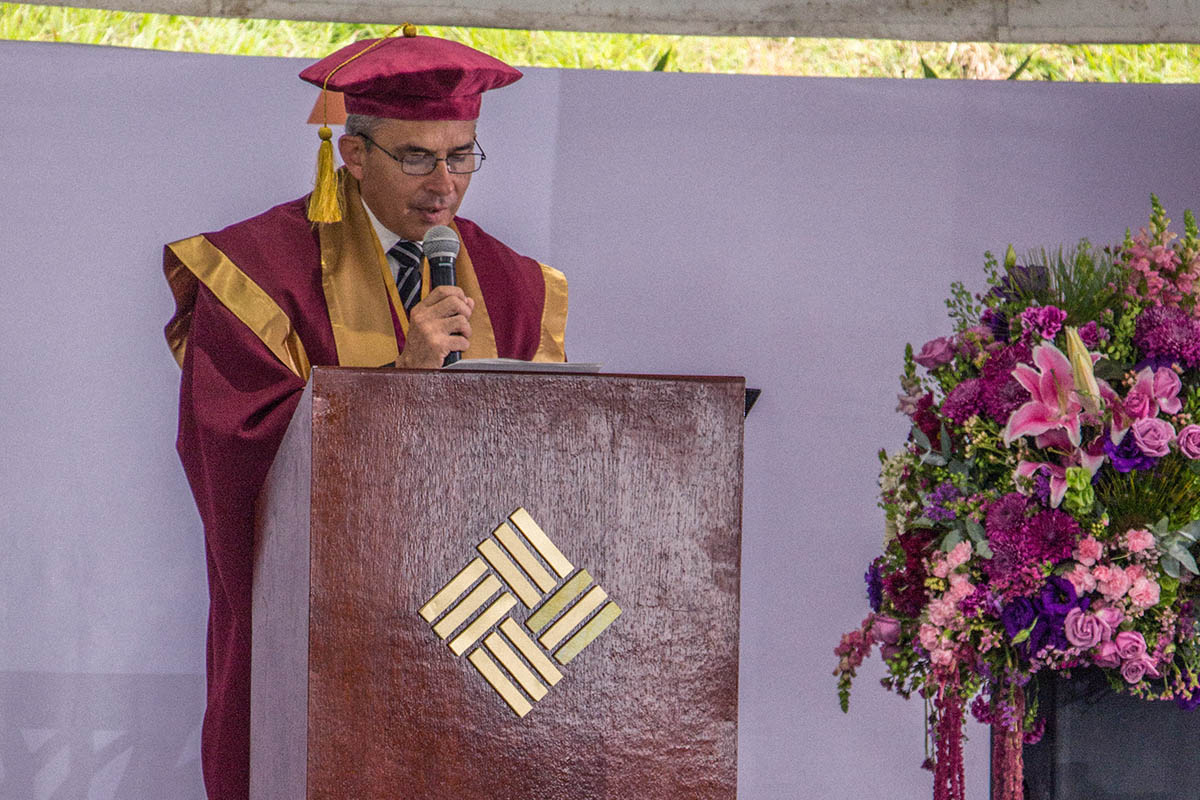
{"x": 418, "y": 163}
{"x": 463, "y": 162}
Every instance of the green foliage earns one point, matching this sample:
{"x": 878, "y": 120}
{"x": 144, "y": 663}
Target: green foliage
{"x": 861, "y": 58}
{"x": 964, "y": 307}
{"x": 1084, "y": 282}
{"x": 1137, "y": 499}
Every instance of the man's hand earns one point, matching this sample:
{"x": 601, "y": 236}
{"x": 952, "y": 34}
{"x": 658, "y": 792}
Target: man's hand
{"x": 438, "y": 325}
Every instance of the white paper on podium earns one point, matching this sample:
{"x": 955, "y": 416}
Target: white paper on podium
{"x": 517, "y": 365}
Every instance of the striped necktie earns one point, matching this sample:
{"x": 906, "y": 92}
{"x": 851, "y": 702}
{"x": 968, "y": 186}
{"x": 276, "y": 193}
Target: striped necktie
{"x": 408, "y": 279}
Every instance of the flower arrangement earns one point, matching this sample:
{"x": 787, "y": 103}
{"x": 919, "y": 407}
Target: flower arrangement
{"x": 1042, "y": 514}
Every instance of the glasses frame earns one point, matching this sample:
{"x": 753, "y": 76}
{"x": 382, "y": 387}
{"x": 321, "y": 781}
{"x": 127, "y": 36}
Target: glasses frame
{"x": 478, "y": 152}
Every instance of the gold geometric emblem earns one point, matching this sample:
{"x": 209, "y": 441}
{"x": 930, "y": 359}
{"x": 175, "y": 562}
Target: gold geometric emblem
{"x": 475, "y": 612}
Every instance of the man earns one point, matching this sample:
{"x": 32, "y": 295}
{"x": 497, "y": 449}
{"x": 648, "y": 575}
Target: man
{"x": 263, "y": 300}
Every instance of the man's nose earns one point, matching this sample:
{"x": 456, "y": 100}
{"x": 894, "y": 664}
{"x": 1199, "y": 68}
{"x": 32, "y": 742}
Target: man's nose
{"x": 440, "y": 180}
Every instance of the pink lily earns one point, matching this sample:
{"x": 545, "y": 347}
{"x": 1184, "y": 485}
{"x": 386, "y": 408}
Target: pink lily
{"x": 1090, "y": 459}
{"x": 1054, "y": 402}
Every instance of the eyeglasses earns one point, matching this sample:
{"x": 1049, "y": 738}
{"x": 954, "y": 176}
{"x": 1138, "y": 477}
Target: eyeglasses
{"x": 424, "y": 163}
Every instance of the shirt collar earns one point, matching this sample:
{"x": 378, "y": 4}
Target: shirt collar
{"x": 387, "y": 240}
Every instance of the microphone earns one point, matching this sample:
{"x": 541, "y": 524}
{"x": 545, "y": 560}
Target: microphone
{"x": 441, "y": 248}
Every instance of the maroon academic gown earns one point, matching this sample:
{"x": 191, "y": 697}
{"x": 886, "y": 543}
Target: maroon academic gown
{"x": 236, "y": 399}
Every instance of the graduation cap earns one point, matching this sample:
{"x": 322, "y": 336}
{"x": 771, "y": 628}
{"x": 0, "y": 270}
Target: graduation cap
{"x": 397, "y": 77}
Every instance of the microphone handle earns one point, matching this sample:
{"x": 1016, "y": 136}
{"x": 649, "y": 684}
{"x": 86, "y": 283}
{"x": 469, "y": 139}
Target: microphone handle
{"x": 441, "y": 273}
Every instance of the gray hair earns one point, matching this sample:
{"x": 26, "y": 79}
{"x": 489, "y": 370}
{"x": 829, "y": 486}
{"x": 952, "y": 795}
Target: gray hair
{"x": 358, "y": 124}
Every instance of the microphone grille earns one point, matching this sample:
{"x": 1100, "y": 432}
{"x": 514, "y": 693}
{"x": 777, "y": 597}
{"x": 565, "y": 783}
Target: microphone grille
{"x": 440, "y": 240}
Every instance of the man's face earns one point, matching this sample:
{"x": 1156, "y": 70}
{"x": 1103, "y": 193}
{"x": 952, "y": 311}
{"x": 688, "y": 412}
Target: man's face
{"x": 409, "y": 205}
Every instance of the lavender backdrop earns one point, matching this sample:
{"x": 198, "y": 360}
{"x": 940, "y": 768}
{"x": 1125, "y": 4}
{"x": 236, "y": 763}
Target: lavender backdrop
{"x": 795, "y": 231}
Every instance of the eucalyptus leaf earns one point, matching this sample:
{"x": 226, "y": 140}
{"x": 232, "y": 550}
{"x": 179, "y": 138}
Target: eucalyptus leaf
{"x": 934, "y": 459}
{"x": 983, "y": 550}
{"x": 1181, "y": 554}
{"x": 921, "y": 439}
{"x": 975, "y": 530}
{"x": 921, "y": 522}
{"x": 944, "y": 441}
{"x": 1170, "y": 566}
{"x": 952, "y": 538}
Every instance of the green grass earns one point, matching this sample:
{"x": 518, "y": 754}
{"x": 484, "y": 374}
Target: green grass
{"x": 1157, "y": 63}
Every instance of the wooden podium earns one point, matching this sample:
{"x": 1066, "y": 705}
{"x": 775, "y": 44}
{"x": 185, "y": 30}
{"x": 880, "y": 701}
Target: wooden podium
{"x": 503, "y": 586}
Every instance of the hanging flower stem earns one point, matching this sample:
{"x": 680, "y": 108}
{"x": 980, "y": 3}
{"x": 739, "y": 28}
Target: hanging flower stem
{"x": 1008, "y": 762}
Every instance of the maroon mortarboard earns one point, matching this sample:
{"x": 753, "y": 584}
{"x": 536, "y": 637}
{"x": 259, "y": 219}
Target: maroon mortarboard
{"x": 411, "y": 77}
{"x": 406, "y": 77}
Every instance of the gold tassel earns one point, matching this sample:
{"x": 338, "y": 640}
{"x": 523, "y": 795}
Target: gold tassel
{"x": 324, "y": 205}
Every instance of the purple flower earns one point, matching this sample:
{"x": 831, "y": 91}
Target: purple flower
{"x": 963, "y": 401}
{"x": 935, "y": 353}
{"x": 1001, "y": 394}
{"x": 1041, "y": 485}
{"x": 1022, "y": 281}
{"x": 1018, "y": 615}
{"x": 1153, "y": 436}
{"x": 1189, "y": 441}
{"x": 874, "y": 579}
{"x": 1127, "y": 456}
{"x": 1051, "y": 535}
{"x": 1130, "y": 645}
{"x": 1092, "y": 334}
{"x": 1188, "y": 703}
{"x": 936, "y": 509}
{"x": 1135, "y": 669}
{"x": 1057, "y": 597}
{"x": 996, "y": 322}
{"x": 1046, "y": 320}
{"x": 1166, "y": 334}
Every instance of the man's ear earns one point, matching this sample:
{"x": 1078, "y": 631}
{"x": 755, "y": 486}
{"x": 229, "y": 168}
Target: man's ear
{"x": 353, "y": 151}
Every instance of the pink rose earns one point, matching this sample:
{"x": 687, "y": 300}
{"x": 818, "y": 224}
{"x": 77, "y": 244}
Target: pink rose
{"x": 1189, "y": 441}
{"x": 1166, "y": 390}
{"x": 1083, "y": 630}
{"x": 935, "y": 353}
{"x": 1144, "y": 593}
{"x": 1135, "y": 669}
{"x": 886, "y": 629}
{"x": 1105, "y": 655}
{"x": 1138, "y": 539}
{"x": 1130, "y": 645}
{"x": 1088, "y": 550}
{"x": 1153, "y": 436}
{"x": 942, "y": 657}
{"x": 1139, "y": 404}
{"x": 1111, "y": 581}
{"x": 1081, "y": 578}
{"x": 930, "y": 637}
{"x": 1109, "y": 619}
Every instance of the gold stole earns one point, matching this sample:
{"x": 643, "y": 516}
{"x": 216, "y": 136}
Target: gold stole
{"x": 351, "y": 259}
{"x": 359, "y": 294}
